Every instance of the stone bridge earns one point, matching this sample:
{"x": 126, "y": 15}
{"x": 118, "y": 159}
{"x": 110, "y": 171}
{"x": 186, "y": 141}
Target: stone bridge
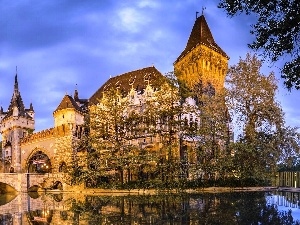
{"x": 22, "y": 182}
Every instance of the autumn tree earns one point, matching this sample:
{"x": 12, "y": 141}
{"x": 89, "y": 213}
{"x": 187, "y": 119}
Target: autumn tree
{"x": 258, "y": 118}
{"x": 277, "y": 32}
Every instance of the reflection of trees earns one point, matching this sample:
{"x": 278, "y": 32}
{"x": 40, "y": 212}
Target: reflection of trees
{"x": 223, "y": 208}
{"x": 6, "y": 219}
{"x": 240, "y": 208}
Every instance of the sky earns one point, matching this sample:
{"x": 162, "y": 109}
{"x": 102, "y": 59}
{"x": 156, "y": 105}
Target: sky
{"x": 60, "y": 45}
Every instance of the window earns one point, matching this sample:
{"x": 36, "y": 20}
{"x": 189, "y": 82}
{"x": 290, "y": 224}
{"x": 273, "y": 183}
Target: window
{"x": 62, "y": 167}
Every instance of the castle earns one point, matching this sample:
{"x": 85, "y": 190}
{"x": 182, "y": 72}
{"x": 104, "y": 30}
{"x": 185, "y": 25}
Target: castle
{"x": 23, "y": 150}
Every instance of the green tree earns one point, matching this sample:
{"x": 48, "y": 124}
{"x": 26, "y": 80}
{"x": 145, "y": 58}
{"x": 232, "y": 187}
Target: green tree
{"x": 258, "y": 117}
{"x": 214, "y": 132}
{"x": 277, "y": 32}
{"x": 202, "y": 128}
{"x": 108, "y": 134}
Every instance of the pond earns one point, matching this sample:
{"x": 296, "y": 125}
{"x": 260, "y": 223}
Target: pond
{"x": 203, "y": 208}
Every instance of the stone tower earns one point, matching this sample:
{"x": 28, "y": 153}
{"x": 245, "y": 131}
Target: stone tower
{"x": 70, "y": 111}
{"x": 202, "y": 61}
{"x": 16, "y": 123}
{"x": 68, "y": 120}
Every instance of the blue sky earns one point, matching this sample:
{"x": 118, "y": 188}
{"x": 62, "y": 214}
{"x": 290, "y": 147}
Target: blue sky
{"x": 57, "y": 44}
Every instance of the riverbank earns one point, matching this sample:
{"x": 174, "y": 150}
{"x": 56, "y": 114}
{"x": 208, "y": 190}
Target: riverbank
{"x": 97, "y": 191}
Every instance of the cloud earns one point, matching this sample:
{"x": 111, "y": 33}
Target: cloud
{"x": 130, "y": 20}
{"x": 148, "y": 4}
{"x": 58, "y": 44}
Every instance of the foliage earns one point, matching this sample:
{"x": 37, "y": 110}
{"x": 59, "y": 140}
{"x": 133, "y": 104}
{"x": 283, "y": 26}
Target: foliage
{"x": 159, "y": 138}
{"x": 157, "y": 143}
{"x": 213, "y": 132}
{"x": 251, "y": 98}
{"x": 263, "y": 139}
{"x": 276, "y": 31}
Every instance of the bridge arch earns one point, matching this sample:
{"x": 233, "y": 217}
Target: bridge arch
{"x": 39, "y": 161}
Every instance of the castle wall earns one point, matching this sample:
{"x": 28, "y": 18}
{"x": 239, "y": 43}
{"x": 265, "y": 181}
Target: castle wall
{"x": 56, "y": 143}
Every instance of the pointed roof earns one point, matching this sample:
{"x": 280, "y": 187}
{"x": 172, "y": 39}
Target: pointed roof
{"x": 16, "y": 101}
{"x": 201, "y": 34}
{"x": 31, "y": 107}
{"x": 68, "y": 103}
{"x": 79, "y": 100}
{"x": 137, "y": 79}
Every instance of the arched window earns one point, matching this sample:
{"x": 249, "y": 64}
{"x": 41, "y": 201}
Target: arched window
{"x": 62, "y": 167}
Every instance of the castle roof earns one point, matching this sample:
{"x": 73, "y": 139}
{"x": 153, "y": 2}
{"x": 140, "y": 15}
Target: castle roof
{"x": 137, "y": 79}
{"x": 16, "y": 101}
{"x": 68, "y": 103}
{"x": 201, "y": 34}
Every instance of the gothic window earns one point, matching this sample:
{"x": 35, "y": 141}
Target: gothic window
{"x": 62, "y": 167}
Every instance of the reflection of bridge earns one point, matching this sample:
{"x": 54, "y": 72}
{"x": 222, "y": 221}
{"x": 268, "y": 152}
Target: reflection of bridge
{"x": 23, "y": 209}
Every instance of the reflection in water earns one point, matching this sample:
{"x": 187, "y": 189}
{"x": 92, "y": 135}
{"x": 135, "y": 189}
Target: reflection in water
{"x": 6, "y": 198}
{"x": 187, "y": 209}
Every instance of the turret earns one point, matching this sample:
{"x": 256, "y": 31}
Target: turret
{"x": 68, "y": 112}
{"x": 30, "y": 111}
{"x": 2, "y": 114}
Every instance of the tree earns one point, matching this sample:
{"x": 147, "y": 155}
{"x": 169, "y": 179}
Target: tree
{"x": 168, "y": 113}
{"x": 259, "y": 118}
{"x": 277, "y": 32}
{"x": 101, "y": 149}
{"x": 214, "y": 132}
{"x": 251, "y": 98}
{"x": 202, "y": 127}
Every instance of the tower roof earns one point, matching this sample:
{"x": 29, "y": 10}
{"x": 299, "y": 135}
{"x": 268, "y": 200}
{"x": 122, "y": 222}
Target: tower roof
{"x": 16, "y": 101}
{"x": 137, "y": 79}
{"x": 201, "y": 34}
{"x": 68, "y": 103}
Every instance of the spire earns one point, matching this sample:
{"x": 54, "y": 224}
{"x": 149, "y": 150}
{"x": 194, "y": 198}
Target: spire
{"x": 201, "y": 34}
{"x": 16, "y": 86}
{"x": 16, "y": 100}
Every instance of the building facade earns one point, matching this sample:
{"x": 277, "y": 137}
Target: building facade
{"x": 202, "y": 62}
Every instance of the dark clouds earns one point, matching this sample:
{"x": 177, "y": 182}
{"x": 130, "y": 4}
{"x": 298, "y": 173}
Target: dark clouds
{"x": 58, "y": 44}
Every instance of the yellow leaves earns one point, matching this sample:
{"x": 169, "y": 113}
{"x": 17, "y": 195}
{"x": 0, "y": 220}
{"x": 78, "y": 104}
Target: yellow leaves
{"x": 252, "y": 95}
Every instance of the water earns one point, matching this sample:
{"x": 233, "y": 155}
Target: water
{"x": 206, "y": 208}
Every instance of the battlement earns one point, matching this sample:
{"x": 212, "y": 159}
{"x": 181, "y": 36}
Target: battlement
{"x": 59, "y": 131}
